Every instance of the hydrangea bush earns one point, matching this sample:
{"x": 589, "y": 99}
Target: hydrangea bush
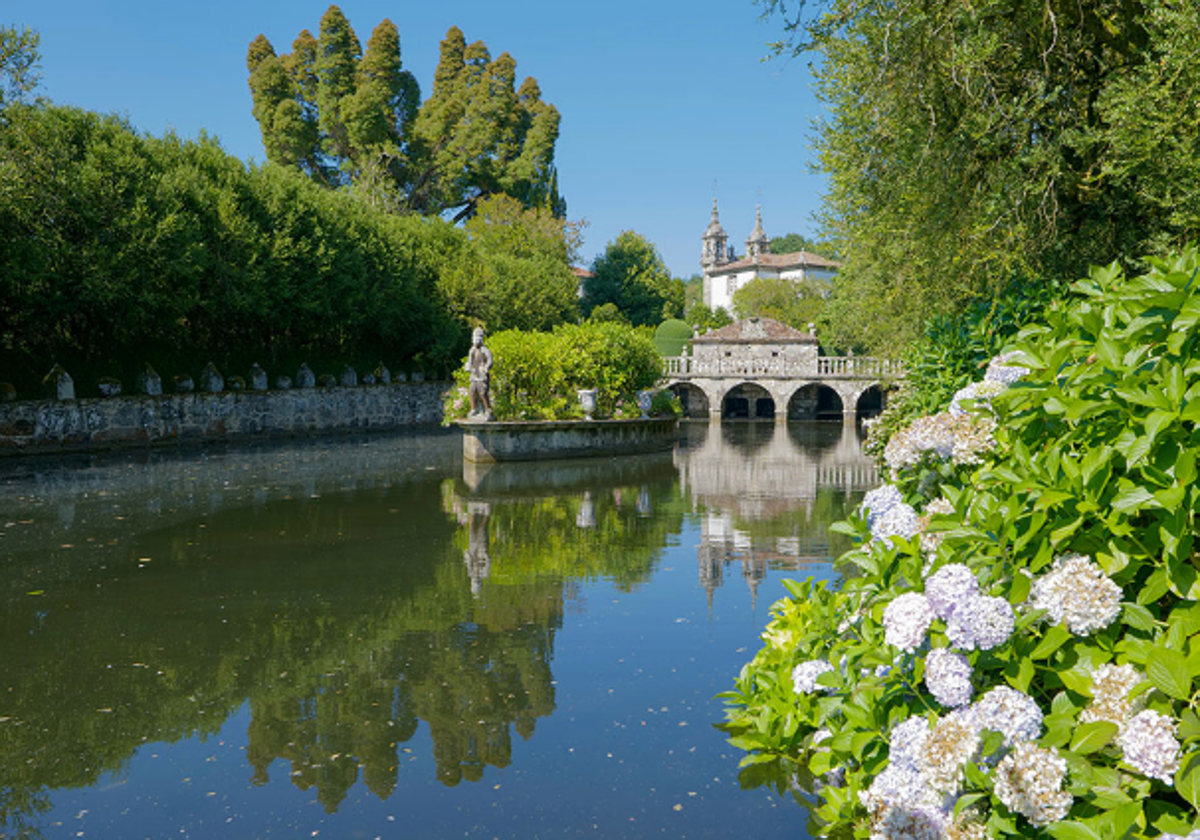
{"x": 1014, "y": 649}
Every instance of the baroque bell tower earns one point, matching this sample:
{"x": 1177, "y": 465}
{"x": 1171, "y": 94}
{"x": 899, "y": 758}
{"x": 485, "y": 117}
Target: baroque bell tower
{"x": 715, "y": 251}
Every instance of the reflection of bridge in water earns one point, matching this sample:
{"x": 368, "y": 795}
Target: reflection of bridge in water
{"x": 758, "y": 490}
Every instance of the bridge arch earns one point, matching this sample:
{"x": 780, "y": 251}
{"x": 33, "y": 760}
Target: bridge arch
{"x": 695, "y": 400}
{"x": 871, "y": 401}
{"x": 748, "y": 401}
{"x": 816, "y": 401}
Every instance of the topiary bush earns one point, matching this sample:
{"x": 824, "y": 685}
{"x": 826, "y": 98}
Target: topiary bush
{"x": 1017, "y": 649}
{"x": 672, "y": 336}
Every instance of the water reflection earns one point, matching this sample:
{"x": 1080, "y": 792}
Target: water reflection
{"x": 353, "y": 599}
{"x": 766, "y": 493}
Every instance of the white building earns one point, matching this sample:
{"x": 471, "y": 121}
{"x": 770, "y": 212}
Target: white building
{"x": 724, "y": 275}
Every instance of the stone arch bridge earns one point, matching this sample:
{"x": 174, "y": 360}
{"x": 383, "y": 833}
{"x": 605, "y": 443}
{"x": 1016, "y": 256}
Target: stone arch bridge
{"x": 821, "y": 387}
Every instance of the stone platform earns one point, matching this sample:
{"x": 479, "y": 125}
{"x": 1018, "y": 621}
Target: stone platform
{"x": 533, "y": 441}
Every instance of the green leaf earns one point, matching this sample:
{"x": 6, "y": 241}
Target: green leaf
{"x": 1071, "y": 830}
{"x": 1137, "y": 616}
{"x": 1168, "y": 671}
{"x": 1133, "y": 498}
{"x": 1056, "y": 636}
{"x": 1092, "y": 736}
{"x": 1187, "y": 780}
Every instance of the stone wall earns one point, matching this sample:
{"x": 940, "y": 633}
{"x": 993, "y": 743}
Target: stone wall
{"x": 53, "y": 425}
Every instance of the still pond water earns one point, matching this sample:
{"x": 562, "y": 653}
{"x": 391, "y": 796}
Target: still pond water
{"x": 368, "y": 638}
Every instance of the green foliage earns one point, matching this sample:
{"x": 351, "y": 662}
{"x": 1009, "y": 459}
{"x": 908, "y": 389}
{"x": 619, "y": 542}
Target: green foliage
{"x": 536, "y": 375}
{"x": 353, "y": 118}
{"x": 117, "y": 249}
{"x": 1094, "y": 454}
{"x": 672, "y": 336}
{"x": 790, "y": 243}
{"x": 970, "y": 145}
{"x": 516, "y": 274}
{"x": 952, "y": 352}
{"x": 704, "y": 319}
{"x": 19, "y": 59}
{"x": 631, "y": 274}
{"x": 796, "y": 304}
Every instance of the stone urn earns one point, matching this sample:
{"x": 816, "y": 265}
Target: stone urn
{"x": 587, "y": 399}
{"x": 644, "y": 401}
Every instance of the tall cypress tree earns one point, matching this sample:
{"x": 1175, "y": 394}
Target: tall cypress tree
{"x": 352, "y": 118}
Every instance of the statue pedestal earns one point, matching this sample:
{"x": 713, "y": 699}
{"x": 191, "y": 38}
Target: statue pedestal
{"x": 489, "y": 442}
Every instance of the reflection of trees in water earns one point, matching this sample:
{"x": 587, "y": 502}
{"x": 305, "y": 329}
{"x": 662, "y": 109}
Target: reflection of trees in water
{"x": 342, "y": 621}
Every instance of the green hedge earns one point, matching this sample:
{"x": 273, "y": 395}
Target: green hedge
{"x": 117, "y": 248}
{"x": 535, "y": 375}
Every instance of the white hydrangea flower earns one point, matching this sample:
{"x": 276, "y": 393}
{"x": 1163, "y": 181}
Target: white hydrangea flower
{"x": 948, "y": 677}
{"x": 1149, "y": 743}
{"x": 1003, "y": 371}
{"x": 973, "y": 436}
{"x": 1029, "y": 781}
{"x": 907, "y": 741}
{"x": 949, "y": 586}
{"x": 982, "y": 621}
{"x": 951, "y": 743}
{"x": 1009, "y": 712}
{"x": 930, "y": 540}
{"x": 895, "y": 785}
{"x": 899, "y": 521}
{"x": 906, "y": 620}
{"x": 933, "y": 433}
{"x": 1078, "y": 592}
{"x": 909, "y": 823}
{"x": 1111, "y": 685}
{"x": 879, "y": 501}
{"x": 804, "y": 676}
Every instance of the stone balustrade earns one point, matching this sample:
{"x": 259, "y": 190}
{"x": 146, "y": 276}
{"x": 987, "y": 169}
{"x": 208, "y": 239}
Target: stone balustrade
{"x": 825, "y": 367}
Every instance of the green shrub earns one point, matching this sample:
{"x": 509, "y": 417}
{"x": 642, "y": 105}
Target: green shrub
{"x": 536, "y": 375}
{"x": 672, "y": 336}
{"x": 1059, "y": 700}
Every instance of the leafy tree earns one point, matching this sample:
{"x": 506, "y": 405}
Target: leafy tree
{"x": 353, "y": 118}
{"x": 703, "y": 319}
{"x": 790, "y": 243}
{"x": 517, "y": 273}
{"x": 607, "y": 312}
{"x": 19, "y": 58}
{"x": 631, "y": 275}
{"x": 796, "y": 304}
{"x": 693, "y": 291}
{"x": 973, "y": 146}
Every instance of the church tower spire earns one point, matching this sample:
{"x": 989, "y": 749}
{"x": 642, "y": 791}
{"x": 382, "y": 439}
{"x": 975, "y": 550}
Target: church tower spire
{"x": 714, "y": 252}
{"x": 758, "y": 243}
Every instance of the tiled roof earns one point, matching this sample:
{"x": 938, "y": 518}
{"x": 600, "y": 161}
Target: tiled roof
{"x": 581, "y": 273}
{"x": 748, "y": 330}
{"x": 797, "y": 259}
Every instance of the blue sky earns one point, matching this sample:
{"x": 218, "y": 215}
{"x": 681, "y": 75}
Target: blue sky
{"x": 660, "y": 98}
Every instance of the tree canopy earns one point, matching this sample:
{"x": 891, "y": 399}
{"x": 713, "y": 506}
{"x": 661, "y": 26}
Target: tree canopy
{"x": 19, "y": 59}
{"x": 516, "y": 275}
{"x": 796, "y": 304}
{"x": 972, "y": 146}
{"x": 631, "y": 275}
{"x": 349, "y": 117}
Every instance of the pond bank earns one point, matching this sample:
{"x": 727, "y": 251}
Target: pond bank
{"x": 89, "y": 425}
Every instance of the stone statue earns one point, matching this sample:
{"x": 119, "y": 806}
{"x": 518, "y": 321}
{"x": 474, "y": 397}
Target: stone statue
{"x": 479, "y": 364}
